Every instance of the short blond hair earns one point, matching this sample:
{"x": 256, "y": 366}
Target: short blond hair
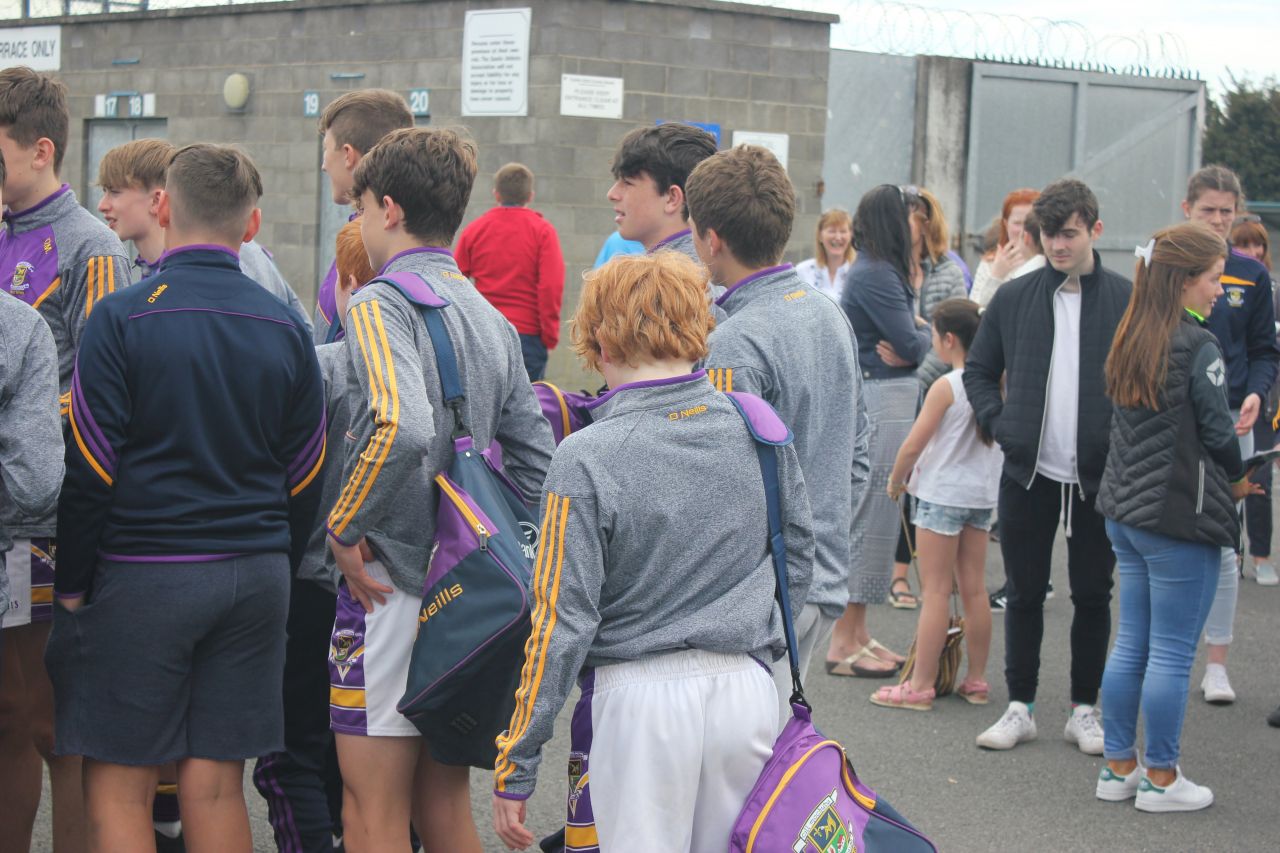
{"x": 137, "y": 165}
{"x": 514, "y": 184}
{"x": 639, "y": 308}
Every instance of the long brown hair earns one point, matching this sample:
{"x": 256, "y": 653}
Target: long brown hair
{"x": 1139, "y": 359}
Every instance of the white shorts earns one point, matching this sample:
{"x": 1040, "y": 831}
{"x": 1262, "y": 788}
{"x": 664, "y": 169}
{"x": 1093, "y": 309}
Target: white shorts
{"x": 369, "y": 661}
{"x": 665, "y": 750}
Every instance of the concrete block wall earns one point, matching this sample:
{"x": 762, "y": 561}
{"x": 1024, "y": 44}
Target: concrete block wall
{"x": 741, "y": 66}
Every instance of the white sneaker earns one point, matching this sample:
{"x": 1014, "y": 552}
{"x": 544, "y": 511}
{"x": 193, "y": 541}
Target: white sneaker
{"x": 1015, "y": 727}
{"x": 1265, "y": 574}
{"x": 1115, "y": 788}
{"x": 1216, "y": 686}
{"x": 1182, "y": 796}
{"x": 1084, "y": 729}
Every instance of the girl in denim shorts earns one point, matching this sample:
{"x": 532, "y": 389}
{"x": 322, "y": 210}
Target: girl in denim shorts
{"x": 954, "y": 473}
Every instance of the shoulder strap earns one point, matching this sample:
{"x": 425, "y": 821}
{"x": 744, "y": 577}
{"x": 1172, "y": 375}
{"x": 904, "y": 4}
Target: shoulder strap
{"x": 770, "y": 433}
{"x": 416, "y": 289}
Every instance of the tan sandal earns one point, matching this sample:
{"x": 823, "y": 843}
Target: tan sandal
{"x": 849, "y": 667}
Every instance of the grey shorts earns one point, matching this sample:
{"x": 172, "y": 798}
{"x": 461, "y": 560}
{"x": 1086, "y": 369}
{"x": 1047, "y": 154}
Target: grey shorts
{"x": 949, "y": 520}
{"x": 173, "y": 660}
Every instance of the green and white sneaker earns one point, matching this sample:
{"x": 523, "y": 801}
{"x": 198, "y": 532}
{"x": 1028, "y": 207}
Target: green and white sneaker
{"x": 1182, "y": 796}
{"x": 1114, "y": 788}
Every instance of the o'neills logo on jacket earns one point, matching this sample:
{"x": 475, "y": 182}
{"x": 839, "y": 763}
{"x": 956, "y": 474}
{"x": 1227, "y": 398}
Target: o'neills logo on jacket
{"x": 443, "y": 597}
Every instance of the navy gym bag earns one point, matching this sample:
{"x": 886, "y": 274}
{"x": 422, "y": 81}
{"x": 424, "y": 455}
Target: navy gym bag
{"x": 474, "y": 619}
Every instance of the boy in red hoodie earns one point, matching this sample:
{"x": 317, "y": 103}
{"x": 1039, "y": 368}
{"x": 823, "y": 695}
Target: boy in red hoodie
{"x": 513, "y": 256}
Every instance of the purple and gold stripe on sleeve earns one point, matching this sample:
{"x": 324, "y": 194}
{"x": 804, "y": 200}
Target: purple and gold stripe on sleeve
{"x": 384, "y": 402}
{"x": 100, "y": 279}
{"x": 309, "y": 462}
{"x": 546, "y": 591}
{"x": 721, "y": 378}
{"x": 93, "y": 444}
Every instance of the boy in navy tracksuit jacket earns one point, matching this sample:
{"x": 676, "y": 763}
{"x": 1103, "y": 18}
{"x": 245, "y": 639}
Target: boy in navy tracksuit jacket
{"x": 1244, "y": 324}
{"x": 658, "y": 602}
{"x": 197, "y": 436}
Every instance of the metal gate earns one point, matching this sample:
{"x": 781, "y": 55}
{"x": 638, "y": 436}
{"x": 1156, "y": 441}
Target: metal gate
{"x": 1133, "y": 140}
{"x": 871, "y": 106}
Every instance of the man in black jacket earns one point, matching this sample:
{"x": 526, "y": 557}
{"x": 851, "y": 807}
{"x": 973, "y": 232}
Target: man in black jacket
{"x": 1049, "y": 332}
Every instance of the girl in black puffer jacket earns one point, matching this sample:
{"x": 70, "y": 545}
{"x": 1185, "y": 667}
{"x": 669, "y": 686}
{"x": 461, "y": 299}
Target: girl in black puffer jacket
{"x": 1172, "y": 477}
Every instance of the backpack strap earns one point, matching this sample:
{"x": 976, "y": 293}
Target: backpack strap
{"x": 770, "y": 433}
{"x": 415, "y": 288}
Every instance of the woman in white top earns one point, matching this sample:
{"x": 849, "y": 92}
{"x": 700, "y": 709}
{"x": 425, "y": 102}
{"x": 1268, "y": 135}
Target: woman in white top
{"x": 1011, "y": 252}
{"x": 833, "y": 254}
{"x": 955, "y": 478}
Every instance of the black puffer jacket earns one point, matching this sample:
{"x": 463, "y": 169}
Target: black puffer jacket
{"x": 1016, "y": 336}
{"x": 1168, "y": 469}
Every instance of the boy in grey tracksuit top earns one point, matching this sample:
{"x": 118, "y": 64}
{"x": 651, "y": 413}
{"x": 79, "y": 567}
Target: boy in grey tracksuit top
{"x": 794, "y": 347}
{"x": 61, "y": 259}
{"x": 400, "y": 424}
{"x": 654, "y": 585}
{"x": 646, "y": 560}
{"x": 30, "y": 430}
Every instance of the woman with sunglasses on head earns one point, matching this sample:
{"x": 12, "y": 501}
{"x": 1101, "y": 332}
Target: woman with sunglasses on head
{"x": 880, "y": 302}
{"x": 1172, "y": 477}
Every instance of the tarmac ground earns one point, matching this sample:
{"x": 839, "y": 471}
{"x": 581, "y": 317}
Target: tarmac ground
{"x": 1038, "y": 796}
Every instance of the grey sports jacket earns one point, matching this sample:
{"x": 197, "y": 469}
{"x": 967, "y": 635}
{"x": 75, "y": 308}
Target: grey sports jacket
{"x": 654, "y": 540}
{"x": 794, "y": 347}
{"x": 399, "y": 437}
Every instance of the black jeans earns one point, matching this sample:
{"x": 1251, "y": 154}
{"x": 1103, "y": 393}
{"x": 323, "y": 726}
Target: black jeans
{"x": 1257, "y": 508}
{"x": 534, "y": 353}
{"x": 301, "y": 785}
{"x": 1029, "y": 521}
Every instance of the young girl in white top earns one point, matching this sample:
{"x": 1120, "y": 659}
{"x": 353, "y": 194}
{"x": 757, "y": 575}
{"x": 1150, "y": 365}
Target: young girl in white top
{"x": 954, "y": 476}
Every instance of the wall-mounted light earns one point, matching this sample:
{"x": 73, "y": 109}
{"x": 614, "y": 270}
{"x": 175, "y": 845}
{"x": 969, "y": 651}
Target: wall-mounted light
{"x": 235, "y": 91}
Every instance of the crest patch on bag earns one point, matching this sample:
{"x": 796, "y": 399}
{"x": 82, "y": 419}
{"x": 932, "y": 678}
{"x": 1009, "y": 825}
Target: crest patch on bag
{"x": 825, "y": 831}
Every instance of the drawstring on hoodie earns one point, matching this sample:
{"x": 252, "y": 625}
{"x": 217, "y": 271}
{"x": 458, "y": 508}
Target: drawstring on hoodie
{"x": 1064, "y": 516}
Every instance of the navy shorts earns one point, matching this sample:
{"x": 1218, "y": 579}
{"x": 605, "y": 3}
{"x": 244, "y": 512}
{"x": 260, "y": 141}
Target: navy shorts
{"x": 173, "y": 660}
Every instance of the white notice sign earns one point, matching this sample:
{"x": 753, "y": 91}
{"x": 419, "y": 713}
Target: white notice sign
{"x": 37, "y": 47}
{"x": 775, "y": 142}
{"x": 495, "y": 63}
{"x": 590, "y": 97}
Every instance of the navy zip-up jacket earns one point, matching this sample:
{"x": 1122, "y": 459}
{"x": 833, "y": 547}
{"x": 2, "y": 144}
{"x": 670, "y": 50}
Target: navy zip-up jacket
{"x": 197, "y": 424}
{"x": 1243, "y": 321}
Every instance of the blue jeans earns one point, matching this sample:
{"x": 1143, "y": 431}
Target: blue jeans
{"x": 534, "y": 353}
{"x": 1166, "y": 589}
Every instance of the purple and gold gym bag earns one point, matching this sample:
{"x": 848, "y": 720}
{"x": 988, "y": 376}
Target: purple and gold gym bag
{"x": 474, "y": 618}
{"x": 807, "y": 799}
{"x": 566, "y": 411}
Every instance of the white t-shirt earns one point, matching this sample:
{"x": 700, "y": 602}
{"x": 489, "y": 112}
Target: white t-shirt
{"x": 956, "y": 469}
{"x": 1057, "y": 459}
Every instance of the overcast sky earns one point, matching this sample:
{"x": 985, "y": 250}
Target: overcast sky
{"x": 1237, "y": 36}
